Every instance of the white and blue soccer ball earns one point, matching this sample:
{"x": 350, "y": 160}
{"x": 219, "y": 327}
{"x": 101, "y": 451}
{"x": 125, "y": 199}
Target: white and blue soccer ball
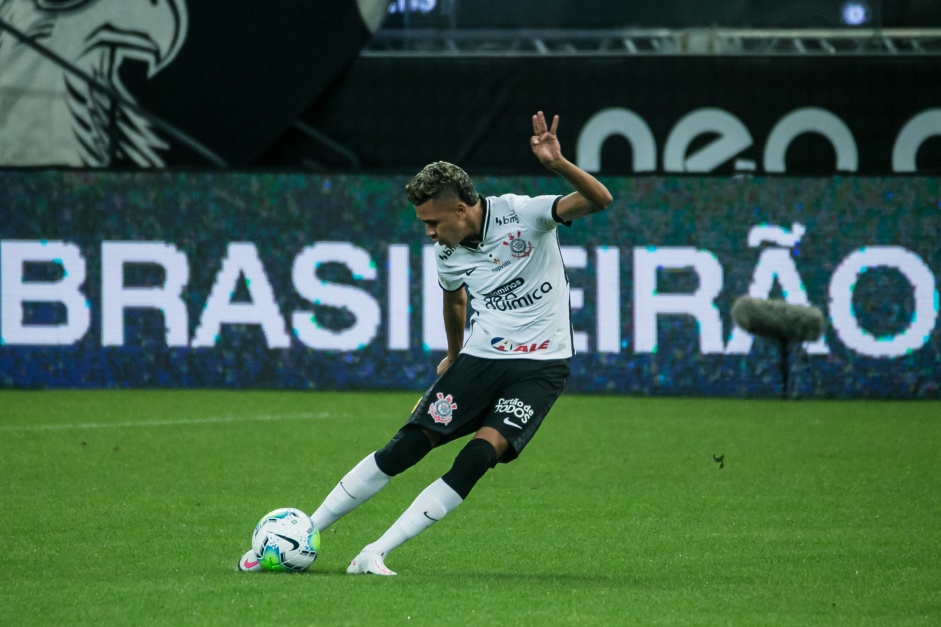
{"x": 287, "y": 540}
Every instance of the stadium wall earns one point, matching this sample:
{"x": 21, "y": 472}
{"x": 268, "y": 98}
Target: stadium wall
{"x": 798, "y": 115}
{"x": 294, "y": 281}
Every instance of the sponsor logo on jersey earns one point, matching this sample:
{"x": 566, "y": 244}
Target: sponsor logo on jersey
{"x": 442, "y": 410}
{"x": 447, "y": 252}
{"x": 510, "y": 219}
{"x": 519, "y": 247}
{"x": 510, "y": 300}
{"x": 504, "y": 345}
{"x": 499, "y": 267}
{"x": 506, "y": 288}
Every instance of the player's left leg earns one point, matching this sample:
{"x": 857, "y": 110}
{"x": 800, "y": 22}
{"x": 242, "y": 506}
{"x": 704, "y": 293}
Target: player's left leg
{"x": 250, "y": 562}
{"x": 435, "y": 502}
{"x": 409, "y": 445}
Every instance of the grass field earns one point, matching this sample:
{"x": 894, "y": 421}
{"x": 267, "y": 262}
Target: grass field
{"x": 133, "y": 507}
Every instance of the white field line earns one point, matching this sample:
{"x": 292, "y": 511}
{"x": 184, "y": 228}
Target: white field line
{"x": 165, "y": 423}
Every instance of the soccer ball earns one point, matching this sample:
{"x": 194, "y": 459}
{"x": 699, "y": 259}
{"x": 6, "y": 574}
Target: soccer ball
{"x": 286, "y": 539}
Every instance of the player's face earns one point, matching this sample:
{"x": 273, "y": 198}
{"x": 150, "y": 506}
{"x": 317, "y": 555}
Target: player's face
{"x": 445, "y": 219}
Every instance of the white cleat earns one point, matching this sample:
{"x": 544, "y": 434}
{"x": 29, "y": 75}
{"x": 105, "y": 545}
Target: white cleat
{"x": 249, "y": 563}
{"x": 368, "y": 564}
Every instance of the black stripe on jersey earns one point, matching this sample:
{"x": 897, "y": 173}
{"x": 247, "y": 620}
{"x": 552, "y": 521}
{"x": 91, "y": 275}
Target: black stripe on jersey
{"x": 571, "y": 327}
{"x": 567, "y": 286}
{"x": 460, "y": 287}
{"x": 555, "y": 213}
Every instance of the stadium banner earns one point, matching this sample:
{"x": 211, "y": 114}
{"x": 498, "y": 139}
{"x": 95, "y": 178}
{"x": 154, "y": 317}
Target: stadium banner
{"x": 800, "y": 115}
{"x": 169, "y": 279}
{"x": 81, "y": 80}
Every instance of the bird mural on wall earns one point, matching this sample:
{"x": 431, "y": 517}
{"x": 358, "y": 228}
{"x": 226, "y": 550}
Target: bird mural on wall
{"x": 49, "y": 115}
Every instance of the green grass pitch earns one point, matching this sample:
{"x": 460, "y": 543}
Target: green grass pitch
{"x": 133, "y": 507}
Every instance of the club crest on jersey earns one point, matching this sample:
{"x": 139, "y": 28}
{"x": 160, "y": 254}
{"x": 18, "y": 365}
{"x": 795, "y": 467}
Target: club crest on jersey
{"x": 519, "y": 247}
{"x": 442, "y": 410}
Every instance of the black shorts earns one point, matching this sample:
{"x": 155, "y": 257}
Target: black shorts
{"x": 512, "y": 396}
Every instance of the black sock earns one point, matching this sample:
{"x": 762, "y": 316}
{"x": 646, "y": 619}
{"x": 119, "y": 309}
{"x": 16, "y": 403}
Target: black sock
{"x": 475, "y": 459}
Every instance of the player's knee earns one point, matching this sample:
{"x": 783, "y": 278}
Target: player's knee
{"x": 475, "y": 459}
{"x": 406, "y": 448}
{"x": 496, "y": 440}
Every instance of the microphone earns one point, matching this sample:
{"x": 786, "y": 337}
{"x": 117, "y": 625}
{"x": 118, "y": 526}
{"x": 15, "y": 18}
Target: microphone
{"x": 778, "y": 319}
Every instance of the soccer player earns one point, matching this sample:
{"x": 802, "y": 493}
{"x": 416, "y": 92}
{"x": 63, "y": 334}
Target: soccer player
{"x": 500, "y": 383}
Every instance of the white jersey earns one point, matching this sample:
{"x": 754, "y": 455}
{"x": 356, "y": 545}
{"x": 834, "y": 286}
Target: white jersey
{"x": 516, "y": 281}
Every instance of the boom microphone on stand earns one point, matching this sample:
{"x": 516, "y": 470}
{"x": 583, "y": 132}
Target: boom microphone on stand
{"x": 778, "y": 319}
{"x": 781, "y": 321}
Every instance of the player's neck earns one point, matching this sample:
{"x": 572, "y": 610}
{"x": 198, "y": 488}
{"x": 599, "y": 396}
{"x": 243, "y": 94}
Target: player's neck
{"x": 475, "y": 224}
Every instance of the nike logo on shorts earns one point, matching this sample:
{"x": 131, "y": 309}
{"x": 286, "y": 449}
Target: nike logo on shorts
{"x": 512, "y": 424}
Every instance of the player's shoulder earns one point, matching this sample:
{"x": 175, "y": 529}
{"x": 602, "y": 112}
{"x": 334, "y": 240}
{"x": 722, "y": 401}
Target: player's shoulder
{"x": 514, "y": 202}
{"x": 518, "y": 204}
{"x": 534, "y": 211}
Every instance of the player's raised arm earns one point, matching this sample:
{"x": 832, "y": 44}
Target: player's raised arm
{"x": 590, "y": 195}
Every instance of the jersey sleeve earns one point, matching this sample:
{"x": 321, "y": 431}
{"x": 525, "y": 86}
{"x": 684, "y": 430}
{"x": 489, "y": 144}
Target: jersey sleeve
{"x": 448, "y": 279}
{"x": 449, "y": 284}
{"x": 538, "y": 212}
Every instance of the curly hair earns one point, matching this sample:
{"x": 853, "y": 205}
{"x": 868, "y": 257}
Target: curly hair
{"x": 438, "y": 177}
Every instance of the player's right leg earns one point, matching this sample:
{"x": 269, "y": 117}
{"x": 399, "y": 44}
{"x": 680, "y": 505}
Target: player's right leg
{"x": 434, "y": 503}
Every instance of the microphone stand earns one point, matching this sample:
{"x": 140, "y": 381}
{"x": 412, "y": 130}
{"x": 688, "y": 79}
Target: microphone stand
{"x": 784, "y": 366}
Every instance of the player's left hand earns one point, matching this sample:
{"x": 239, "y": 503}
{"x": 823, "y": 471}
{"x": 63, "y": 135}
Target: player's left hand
{"x": 443, "y": 366}
{"x": 544, "y": 142}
